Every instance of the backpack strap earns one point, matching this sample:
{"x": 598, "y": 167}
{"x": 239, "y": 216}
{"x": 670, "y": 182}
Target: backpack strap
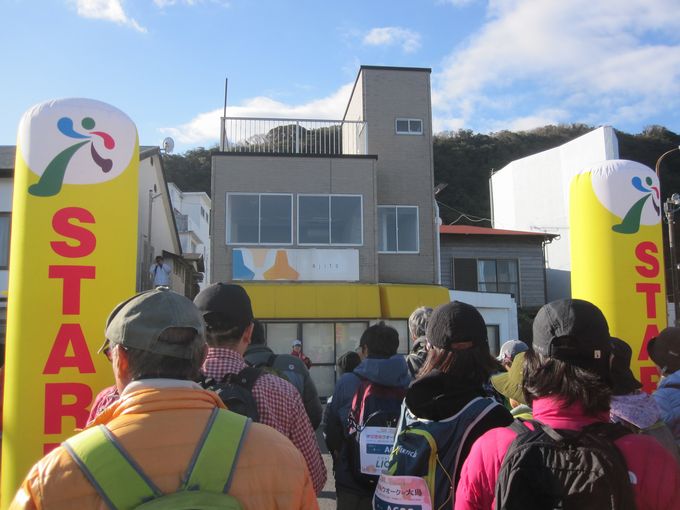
{"x": 109, "y": 468}
{"x": 212, "y": 465}
{"x": 246, "y": 378}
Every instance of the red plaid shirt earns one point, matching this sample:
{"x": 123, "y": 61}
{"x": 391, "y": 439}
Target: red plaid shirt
{"x": 280, "y": 406}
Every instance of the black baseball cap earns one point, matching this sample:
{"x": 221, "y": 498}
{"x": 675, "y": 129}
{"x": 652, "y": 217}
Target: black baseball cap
{"x": 665, "y": 350}
{"x": 456, "y": 323}
{"x": 574, "y": 331}
{"x": 225, "y": 306}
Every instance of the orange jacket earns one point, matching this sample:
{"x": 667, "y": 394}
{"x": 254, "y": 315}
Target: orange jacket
{"x": 160, "y": 428}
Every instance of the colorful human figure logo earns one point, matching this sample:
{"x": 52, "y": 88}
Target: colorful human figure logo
{"x": 631, "y": 221}
{"x": 53, "y": 177}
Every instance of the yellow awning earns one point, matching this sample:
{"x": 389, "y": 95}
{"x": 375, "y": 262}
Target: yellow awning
{"x": 341, "y": 300}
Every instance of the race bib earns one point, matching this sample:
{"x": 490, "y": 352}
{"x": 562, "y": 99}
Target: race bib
{"x": 375, "y": 445}
{"x": 402, "y": 493}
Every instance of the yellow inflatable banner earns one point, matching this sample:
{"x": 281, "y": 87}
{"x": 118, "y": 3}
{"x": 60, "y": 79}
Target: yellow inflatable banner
{"x": 617, "y": 253}
{"x": 72, "y": 258}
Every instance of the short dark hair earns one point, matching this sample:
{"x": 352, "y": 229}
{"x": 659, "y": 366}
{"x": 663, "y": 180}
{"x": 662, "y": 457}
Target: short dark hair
{"x": 348, "y": 362}
{"x": 381, "y": 340}
{"x": 146, "y": 364}
{"x": 552, "y": 377}
{"x": 472, "y": 365}
{"x": 218, "y": 337}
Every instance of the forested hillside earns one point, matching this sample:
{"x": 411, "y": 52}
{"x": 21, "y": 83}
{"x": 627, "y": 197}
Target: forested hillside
{"x": 465, "y": 160}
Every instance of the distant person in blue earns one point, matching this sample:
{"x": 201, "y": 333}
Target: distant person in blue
{"x": 160, "y": 273}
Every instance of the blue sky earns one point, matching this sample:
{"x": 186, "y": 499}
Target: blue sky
{"x": 497, "y": 64}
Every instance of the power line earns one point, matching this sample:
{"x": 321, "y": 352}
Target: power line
{"x": 470, "y": 217}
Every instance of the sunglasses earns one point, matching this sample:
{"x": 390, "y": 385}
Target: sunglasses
{"x": 108, "y": 350}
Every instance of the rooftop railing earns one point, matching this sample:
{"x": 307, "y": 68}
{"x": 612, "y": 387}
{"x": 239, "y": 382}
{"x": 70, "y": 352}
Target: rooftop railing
{"x": 293, "y": 136}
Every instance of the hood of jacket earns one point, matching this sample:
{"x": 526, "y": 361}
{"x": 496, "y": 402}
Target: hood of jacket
{"x": 386, "y": 371}
{"x": 437, "y": 396}
{"x": 257, "y": 354}
{"x": 671, "y": 381}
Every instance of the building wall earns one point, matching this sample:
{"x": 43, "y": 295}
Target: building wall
{"x": 532, "y": 194}
{"x": 405, "y": 168}
{"x": 527, "y": 252}
{"x": 162, "y": 232}
{"x": 6, "y": 187}
{"x": 297, "y": 175}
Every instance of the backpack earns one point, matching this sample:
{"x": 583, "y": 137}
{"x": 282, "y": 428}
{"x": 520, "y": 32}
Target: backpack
{"x": 371, "y": 427}
{"x": 288, "y": 374}
{"x": 122, "y": 484}
{"x": 236, "y": 391}
{"x": 426, "y": 460}
{"x": 546, "y": 468}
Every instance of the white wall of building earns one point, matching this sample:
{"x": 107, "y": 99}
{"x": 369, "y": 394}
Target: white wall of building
{"x": 497, "y": 309}
{"x": 197, "y": 206}
{"x": 532, "y": 194}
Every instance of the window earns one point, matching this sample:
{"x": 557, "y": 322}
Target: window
{"x": 493, "y": 334}
{"x": 330, "y": 219}
{"x": 398, "y": 229}
{"x": 409, "y": 126}
{"x": 487, "y": 275}
{"x": 259, "y": 218}
{"x": 5, "y": 222}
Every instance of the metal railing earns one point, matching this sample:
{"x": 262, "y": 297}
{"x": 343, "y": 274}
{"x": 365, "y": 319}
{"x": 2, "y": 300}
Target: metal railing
{"x": 293, "y": 136}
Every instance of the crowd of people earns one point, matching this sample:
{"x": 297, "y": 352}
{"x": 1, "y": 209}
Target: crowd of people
{"x": 203, "y": 414}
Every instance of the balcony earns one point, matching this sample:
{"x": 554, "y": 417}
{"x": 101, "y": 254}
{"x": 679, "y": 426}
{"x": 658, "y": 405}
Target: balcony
{"x": 293, "y": 136}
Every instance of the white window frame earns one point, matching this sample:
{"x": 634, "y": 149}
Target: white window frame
{"x": 409, "y": 132}
{"x": 330, "y": 219}
{"x": 259, "y": 217}
{"x": 397, "y": 227}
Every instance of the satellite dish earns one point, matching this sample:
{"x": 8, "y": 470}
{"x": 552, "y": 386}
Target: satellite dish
{"x": 168, "y": 145}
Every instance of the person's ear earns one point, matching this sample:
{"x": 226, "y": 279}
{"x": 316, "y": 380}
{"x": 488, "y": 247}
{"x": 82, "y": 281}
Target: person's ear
{"x": 248, "y": 334}
{"x": 121, "y": 367}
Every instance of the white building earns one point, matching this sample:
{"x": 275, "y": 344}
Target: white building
{"x": 192, "y": 216}
{"x": 532, "y": 194}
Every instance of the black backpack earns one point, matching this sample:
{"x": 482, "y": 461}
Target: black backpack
{"x": 567, "y": 470}
{"x": 236, "y": 391}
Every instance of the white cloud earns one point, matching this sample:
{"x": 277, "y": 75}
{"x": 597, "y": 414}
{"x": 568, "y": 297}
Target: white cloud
{"x": 109, "y": 10}
{"x": 204, "y": 129}
{"x": 388, "y": 36}
{"x": 580, "y": 55}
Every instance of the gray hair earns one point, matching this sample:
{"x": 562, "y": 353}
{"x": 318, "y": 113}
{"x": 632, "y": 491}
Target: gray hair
{"x": 146, "y": 364}
{"x": 417, "y": 322}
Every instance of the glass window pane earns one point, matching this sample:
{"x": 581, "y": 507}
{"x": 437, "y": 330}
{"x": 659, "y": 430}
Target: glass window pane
{"x": 317, "y": 341}
{"x": 275, "y": 218}
{"x": 387, "y": 228}
{"x": 345, "y": 220}
{"x": 493, "y": 334}
{"x": 347, "y": 336}
{"x": 508, "y": 288}
{"x": 243, "y": 218}
{"x": 507, "y": 270}
{"x": 5, "y": 220}
{"x": 402, "y": 126}
{"x": 313, "y": 220}
{"x": 280, "y": 336}
{"x": 324, "y": 379}
{"x": 402, "y": 328}
{"x": 407, "y": 218}
{"x": 415, "y": 126}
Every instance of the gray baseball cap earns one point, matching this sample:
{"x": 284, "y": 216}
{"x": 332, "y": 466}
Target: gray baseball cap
{"x": 139, "y": 321}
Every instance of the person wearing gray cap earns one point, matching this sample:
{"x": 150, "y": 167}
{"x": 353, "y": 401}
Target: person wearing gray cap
{"x": 509, "y": 350}
{"x": 569, "y": 456}
{"x": 166, "y": 441}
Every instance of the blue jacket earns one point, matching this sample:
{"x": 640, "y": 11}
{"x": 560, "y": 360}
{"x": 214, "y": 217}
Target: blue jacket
{"x": 386, "y": 371}
{"x": 667, "y": 397}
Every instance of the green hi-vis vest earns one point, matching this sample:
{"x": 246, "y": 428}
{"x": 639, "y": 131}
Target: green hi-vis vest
{"x": 123, "y": 485}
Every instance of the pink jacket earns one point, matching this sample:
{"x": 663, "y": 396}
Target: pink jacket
{"x": 657, "y": 475}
